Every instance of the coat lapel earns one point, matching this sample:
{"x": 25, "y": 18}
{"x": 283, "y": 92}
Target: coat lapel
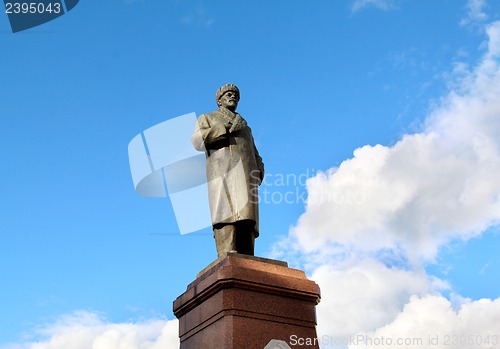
{"x": 227, "y": 115}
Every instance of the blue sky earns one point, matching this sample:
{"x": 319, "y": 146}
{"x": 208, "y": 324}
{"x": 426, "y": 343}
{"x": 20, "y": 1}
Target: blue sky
{"x": 322, "y": 84}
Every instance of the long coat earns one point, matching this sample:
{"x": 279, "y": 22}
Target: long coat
{"x": 234, "y": 167}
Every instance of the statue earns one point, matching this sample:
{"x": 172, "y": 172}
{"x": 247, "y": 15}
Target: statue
{"x": 234, "y": 172}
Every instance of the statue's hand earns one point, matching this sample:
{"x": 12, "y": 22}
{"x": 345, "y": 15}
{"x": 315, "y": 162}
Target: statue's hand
{"x": 238, "y": 124}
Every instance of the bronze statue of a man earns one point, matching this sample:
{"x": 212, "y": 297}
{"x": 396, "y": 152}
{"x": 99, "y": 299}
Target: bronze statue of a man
{"x": 234, "y": 172}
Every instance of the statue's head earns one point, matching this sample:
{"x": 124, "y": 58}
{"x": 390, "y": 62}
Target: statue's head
{"x": 228, "y": 96}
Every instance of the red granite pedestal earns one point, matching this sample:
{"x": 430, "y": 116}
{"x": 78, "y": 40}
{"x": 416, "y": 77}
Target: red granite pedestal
{"x": 244, "y": 302}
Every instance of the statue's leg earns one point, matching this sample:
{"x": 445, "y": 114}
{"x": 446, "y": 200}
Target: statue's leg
{"x": 245, "y": 237}
{"x": 225, "y": 238}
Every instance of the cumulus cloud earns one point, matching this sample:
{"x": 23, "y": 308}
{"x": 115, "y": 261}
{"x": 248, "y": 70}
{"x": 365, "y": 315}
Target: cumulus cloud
{"x": 372, "y": 224}
{"x": 369, "y": 305}
{"x": 426, "y": 190}
{"x": 362, "y": 295}
{"x": 381, "y": 4}
{"x": 431, "y": 321}
{"x": 86, "y": 330}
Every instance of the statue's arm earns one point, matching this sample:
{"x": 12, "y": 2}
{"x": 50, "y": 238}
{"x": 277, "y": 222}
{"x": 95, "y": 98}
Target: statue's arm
{"x": 206, "y": 134}
{"x": 260, "y": 163}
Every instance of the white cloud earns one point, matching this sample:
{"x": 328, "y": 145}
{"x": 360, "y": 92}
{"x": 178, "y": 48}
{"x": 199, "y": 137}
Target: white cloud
{"x": 475, "y": 12}
{"x": 362, "y": 295}
{"x": 432, "y": 321}
{"x": 427, "y": 189}
{"x": 85, "y": 330}
{"x": 372, "y": 223}
{"x": 381, "y": 4}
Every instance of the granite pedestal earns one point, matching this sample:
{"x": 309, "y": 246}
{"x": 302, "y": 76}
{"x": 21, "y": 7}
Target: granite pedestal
{"x": 244, "y": 302}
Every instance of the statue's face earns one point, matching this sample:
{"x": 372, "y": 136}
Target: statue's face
{"x": 229, "y": 100}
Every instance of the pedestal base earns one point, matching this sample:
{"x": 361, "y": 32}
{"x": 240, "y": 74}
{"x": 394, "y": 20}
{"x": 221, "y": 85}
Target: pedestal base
{"x": 244, "y": 302}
